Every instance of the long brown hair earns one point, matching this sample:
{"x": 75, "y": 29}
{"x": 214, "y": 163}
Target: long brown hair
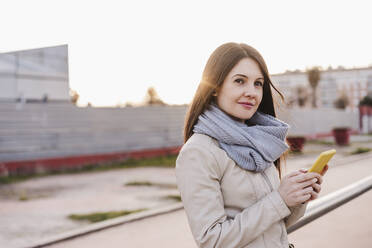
{"x": 219, "y": 64}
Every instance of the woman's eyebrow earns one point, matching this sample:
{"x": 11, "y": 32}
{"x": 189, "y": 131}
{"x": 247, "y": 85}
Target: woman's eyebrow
{"x": 242, "y": 75}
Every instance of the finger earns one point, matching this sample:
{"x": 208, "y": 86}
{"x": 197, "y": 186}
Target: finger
{"x": 294, "y": 173}
{"x": 320, "y": 180}
{"x": 307, "y": 183}
{"x": 307, "y": 190}
{"x": 304, "y": 198}
{"x": 325, "y": 169}
{"x": 307, "y": 176}
{"x": 314, "y": 195}
{"x": 299, "y": 178}
{"x": 317, "y": 176}
{"x": 304, "y": 170}
{"x": 316, "y": 187}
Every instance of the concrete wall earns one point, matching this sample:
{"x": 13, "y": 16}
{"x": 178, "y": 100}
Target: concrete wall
{"x": 37, "y": 130}
{"x": 55, "y": 130}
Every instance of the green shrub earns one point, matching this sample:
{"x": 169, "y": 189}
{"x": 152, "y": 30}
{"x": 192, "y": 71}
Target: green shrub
{"x": 366, "y": 101}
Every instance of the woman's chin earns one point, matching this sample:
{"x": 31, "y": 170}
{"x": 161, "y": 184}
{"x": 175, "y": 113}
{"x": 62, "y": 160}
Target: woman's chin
{"x": 242, "y": 116}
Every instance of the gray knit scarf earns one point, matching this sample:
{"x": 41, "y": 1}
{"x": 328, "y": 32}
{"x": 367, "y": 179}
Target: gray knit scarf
{"x": 254, "y": 146}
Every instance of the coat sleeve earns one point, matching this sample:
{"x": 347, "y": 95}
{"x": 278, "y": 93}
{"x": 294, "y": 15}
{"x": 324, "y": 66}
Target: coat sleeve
{"x": 296, "y": 213}
{"x": 198, "y": 179}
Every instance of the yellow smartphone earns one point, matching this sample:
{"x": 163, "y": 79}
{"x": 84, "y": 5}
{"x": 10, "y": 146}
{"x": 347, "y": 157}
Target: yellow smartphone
{"x": 322, "y": 160}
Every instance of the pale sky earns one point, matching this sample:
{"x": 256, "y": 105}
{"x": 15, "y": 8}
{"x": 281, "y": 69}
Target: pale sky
{"x": 117, "y": 49}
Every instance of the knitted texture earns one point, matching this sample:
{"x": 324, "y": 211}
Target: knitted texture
{"x": 253, "y": 145}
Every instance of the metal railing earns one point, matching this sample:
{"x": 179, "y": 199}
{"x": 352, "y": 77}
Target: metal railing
{"x": 332, "y": 201}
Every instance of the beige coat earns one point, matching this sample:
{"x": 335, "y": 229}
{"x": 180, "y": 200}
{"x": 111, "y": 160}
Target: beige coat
{"x": 227, "y": 206}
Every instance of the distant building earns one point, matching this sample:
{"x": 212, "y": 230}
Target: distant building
{"x": 354, "y": 83}
{"x": 35, "y": 75}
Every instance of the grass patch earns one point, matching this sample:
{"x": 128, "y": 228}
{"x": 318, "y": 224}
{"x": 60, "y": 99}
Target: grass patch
{"x": 168, "y": 161}
{"x": 101, "y": 216}
{"x": 173, "y": 197}
{"x": 23, "y": 196}
{"x": 360, "y": 150}
{"x": 162, "y": 161}
{"x": 135, "y": 183}
{"x": 295, "y": 153}
{"x": 16, "y": 179}
{"x": 146, "y": 183}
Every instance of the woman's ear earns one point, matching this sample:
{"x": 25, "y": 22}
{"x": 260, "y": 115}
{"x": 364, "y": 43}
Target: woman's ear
{"x": 215, "y": 92}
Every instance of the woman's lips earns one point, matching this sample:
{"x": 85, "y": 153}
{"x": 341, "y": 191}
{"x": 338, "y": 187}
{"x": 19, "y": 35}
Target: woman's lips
{"x": 246, "y": 105}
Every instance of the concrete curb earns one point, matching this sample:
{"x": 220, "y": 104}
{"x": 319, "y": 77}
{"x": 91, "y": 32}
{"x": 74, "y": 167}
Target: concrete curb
{"x": 106, "y": 224}
{"x": 352, "y": 158}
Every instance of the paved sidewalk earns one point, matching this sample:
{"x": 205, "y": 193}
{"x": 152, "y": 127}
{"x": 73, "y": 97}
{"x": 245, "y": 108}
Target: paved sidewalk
{"x": 347, "y": 226}
{"x": 51, "y": 199}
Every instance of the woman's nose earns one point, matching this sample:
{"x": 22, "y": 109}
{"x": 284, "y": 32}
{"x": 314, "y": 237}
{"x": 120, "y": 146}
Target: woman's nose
{"x": 250, "y": 92}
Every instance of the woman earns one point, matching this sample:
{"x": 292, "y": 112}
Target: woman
{"x": 228, "y": 170}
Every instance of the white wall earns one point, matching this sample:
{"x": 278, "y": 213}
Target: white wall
{"x": 316, "y": 121}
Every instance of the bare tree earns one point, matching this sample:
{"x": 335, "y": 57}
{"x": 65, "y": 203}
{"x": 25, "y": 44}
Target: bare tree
{"x": 313, "y": 76}
{"x": 152, "y": 97}
{"x": 128, "y": 104}
{"x": 301, "y": 96}
{"x": 74, "y": 96}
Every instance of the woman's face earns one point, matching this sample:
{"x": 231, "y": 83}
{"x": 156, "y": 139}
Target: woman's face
{"x": 242, "y": 90}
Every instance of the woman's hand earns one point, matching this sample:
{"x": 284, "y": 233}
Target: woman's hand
{"x": 317, "y": 186}
{"x": 297, "y": 187}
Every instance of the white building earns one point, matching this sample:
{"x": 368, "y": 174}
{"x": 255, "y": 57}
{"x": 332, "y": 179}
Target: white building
{"x": 35, "y": 75}
{"x": 354, "y": 83}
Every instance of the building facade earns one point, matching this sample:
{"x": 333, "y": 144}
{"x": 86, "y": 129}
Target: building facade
{"x": 35, "y": 75}
{"x": 353, "y": 83}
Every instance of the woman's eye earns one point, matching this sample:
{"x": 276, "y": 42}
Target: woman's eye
{"x": 258, "y": 83}
{"x": 239, "y": 81}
